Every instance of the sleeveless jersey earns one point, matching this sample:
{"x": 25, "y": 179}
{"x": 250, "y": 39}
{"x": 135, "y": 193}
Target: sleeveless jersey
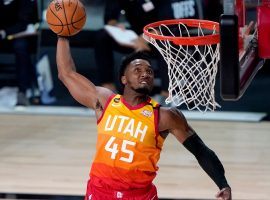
{"x": 128, "y": 144}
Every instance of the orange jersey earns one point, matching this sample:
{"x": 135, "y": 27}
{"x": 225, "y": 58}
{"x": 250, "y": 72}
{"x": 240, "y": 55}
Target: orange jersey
{"x": 128, "y": 144}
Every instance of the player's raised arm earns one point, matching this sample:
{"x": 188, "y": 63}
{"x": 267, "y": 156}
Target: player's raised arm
{"x": 173, "y": 121}
{"x": 81, "y": 89}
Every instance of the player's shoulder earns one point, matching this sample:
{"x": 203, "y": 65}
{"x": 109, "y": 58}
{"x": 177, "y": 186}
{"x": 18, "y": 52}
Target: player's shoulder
{"x": 170, "y": 118}
{"x": 170, "y": 114}
{"x": 104, "y": 94}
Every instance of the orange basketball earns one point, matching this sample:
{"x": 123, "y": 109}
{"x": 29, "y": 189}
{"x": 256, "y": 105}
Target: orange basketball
{"x": 66, "y": 17}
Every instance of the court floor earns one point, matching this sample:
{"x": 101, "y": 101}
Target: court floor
{"x": 51, "y": 155}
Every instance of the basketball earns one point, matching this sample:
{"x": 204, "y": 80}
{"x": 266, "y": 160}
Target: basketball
{"x": 66, "y": 17}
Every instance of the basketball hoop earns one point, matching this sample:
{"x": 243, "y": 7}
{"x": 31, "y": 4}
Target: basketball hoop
{"x": 190, "y": 48}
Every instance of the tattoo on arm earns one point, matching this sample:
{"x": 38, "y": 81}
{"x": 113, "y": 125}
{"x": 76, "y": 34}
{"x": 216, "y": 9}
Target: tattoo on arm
{"x": 99, "y": 106}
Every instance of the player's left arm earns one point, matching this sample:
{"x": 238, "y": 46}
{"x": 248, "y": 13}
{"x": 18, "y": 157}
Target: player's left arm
{"x": 174, "y": 121}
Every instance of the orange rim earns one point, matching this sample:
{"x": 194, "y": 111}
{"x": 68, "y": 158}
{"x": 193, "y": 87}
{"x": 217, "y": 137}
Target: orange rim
{"x": 194, "y": 40}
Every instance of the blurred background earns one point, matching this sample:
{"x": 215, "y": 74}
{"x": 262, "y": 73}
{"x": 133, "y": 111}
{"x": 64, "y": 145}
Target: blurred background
{"x": 255, "y": 99}
{"x": 40, "y": 142}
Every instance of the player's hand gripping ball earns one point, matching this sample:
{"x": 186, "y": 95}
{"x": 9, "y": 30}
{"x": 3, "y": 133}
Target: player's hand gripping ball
{"x": 66, "y": 17}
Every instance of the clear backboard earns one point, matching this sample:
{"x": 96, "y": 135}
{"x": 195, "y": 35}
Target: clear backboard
{"x": 244, "y": 44}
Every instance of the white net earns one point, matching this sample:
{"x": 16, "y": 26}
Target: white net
{"x": 192, "y": 69}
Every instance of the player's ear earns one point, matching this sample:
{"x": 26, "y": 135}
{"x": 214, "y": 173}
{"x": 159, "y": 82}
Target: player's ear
{"x": 124, "y": 80}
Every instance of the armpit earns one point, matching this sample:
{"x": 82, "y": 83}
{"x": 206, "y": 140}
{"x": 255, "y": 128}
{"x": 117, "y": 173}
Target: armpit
{"x": 98, "y": 106}
{"x": 164, "y": 134}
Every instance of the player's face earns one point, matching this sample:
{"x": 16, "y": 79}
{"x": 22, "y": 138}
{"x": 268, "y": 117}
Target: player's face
{"x": 139, "y": 76}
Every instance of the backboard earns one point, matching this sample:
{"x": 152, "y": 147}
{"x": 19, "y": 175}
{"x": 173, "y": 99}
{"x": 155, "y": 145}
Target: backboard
{"x": 242, "y": 44}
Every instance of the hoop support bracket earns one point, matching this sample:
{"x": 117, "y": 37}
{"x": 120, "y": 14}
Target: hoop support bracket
{"x": 229, "y": 57}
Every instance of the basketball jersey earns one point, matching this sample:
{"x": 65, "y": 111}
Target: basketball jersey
{"x": 128, "y": 144}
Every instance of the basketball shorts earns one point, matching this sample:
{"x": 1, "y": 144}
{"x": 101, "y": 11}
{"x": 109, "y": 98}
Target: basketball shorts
{"x": 105, "y": 193}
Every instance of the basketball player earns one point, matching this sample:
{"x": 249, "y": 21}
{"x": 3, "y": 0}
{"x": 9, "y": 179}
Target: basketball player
{"x": 131, "y": 131}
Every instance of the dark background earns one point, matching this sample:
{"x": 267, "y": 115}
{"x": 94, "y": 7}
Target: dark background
{"x": 255, "y": 99}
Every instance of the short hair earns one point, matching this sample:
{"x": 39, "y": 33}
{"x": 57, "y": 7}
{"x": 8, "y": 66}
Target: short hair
{"x": 128, "y": 59}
